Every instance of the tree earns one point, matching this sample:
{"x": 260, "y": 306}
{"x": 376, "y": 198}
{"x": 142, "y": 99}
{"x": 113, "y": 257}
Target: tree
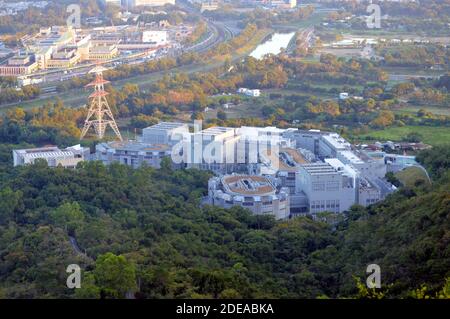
{"x": 391, "y": 178}
{"x": 10, "y": 203}
{"x": 88, "y": 290}
{"x": 114, "y": 275}
{"x": 413, "y": 137}
{"x": 221, "y": 115}
{"x": 68, "y": 216}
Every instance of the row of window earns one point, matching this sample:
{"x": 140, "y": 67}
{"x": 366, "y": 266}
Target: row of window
{"x": 267, "y": 203}
{"x": 322, "y": 186}
{"x": 325, "y": 204}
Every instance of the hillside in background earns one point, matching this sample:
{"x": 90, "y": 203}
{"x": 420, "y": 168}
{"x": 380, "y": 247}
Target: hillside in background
{"x": 143, "y": 231}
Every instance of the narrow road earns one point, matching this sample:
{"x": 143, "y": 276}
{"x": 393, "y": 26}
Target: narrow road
{"x": 77, "y": 249}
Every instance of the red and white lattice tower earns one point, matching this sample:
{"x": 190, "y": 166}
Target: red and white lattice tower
{"x": 99, "y": 114}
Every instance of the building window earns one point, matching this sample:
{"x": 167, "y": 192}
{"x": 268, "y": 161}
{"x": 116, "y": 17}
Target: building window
{"x": 332, "y": 186}
{"x": 318, "y": 186}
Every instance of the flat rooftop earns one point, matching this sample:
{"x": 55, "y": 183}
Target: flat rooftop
{"x": 216, "y": 130}
{"x": 166, "y": 126}
{"x": 339, "y": 166}
{"x": 45, "y": 149}
{"x": 137, "y": 146}
{"x": 319, "y": 169}
{"x": 352, "y": 157}
{"x": 248, "y": 185}
{"x": 311, "y": 132}
{"x": 288, "y": 159}
{"x": 336, "y": 141}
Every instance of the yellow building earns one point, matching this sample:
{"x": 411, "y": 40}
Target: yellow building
{"x": 19, "y": 65}
{"x": 43, "y": 55}
{"x": 103, "y": 52}
{"x": 64, "y": 59}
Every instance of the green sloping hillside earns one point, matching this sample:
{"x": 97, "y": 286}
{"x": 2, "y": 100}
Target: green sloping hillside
{"x": 144, "y": 232}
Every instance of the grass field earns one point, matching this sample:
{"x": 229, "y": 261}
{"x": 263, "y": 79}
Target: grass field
{"x": 315, "y": 19}
{"x": 246, "y": 109}
{"x": 409, "y": 176}
{"x": 431, "y": 135}
{"x": 438, "y": 110}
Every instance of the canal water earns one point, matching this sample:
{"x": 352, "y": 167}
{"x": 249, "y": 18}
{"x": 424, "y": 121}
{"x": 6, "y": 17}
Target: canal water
{"x": 272, "y": 45}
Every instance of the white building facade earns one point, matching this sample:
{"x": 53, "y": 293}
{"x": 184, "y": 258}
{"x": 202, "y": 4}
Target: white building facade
{"x": 68, "y": 158}
{"x": 261, "y": 195}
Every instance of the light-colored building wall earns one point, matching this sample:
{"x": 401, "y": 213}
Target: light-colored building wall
{"x": 152, "y": 3}
{"x": 68, "y": 158}
{"x": 159, "y": 37}
{"x": 64, "y": 61}
{"x": 165, "y": 133}
{"x": 131, "y": 153}
{"x": 327, "y": 189}
{"x": 16, "y": 70}
{"x": 103, "y": 52}
{"x": 368, "y": 193}
{"x": 266, "y": 199}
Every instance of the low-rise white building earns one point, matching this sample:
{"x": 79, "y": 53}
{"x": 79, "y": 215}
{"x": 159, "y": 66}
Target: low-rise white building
{"x": 249, "y": 92}
{"x": 68, "y": 158}
{"x": 157, "y": 37}
{"x": 261, "y": 195}
{"x": 132, "y": 153}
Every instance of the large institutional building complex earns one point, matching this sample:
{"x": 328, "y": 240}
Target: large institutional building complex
{"x": 63, "y": 47}
{"x": 282, "y": 172}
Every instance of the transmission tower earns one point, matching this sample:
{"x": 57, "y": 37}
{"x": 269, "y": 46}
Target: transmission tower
{"x": 99, "y": 114}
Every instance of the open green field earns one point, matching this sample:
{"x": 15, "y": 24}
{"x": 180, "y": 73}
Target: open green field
{"x": 431, "y": 135}
{"x": 248, "y": 108}
{"x": 411, "y": 175}
{"x": 438, "y": 110}
{"x": 314, "y": 19}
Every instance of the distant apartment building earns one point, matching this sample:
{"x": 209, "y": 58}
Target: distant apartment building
{"x": 113, "y": 2}
{"x": 103, "y": 52}
{"x": 65, "y": 58}
{"x": 261, "y": 195}
{"x": 157, "y": 37}
{"x": 150, "y": 3}
{"x": 63, "y": 47}
{"x": 19, "y": 65}
{"x": 208, "y": 5}
{"x": 68, "y": 158}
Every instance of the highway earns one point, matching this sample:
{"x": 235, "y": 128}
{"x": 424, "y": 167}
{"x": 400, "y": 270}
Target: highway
{"x": 217, "y": 33}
